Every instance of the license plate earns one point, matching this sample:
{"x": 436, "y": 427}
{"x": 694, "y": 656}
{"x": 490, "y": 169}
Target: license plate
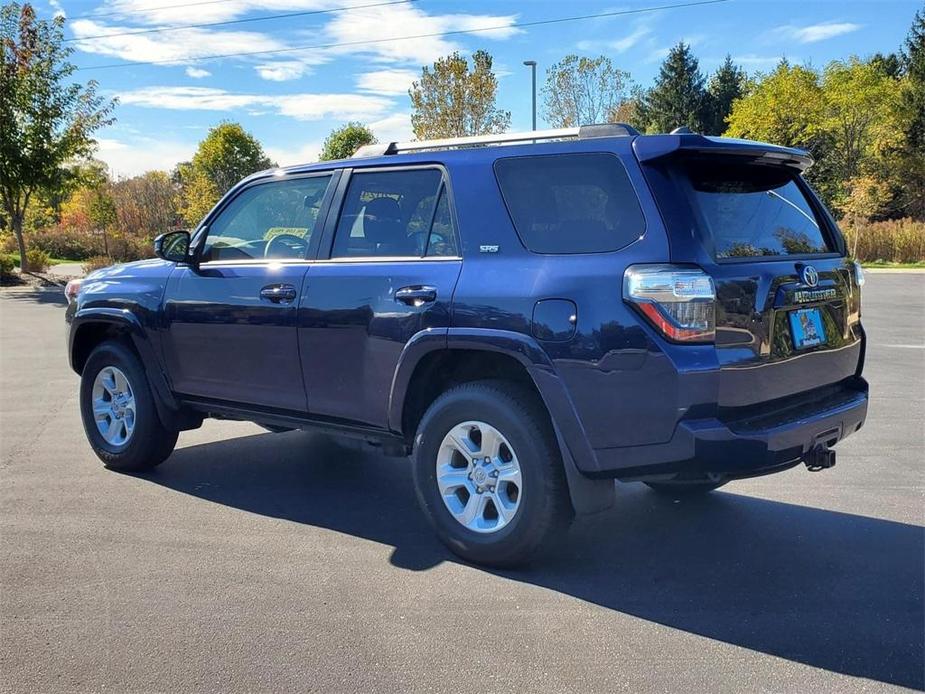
{"x": 806, "y": 328}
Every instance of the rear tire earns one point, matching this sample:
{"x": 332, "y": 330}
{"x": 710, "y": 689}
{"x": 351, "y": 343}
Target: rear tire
{"x": 494, "y": 448}
{"x": 119, "y": 413}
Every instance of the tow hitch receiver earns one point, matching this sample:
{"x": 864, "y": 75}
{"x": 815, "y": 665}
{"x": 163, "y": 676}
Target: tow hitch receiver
{"x": 819, "y": 458}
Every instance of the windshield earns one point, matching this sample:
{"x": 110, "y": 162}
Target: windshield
{"x": 753, "y": 210}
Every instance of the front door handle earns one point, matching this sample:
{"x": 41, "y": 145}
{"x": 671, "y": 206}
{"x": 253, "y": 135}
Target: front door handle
{"x": 416, "y": 296}
{"x": 278, "y": 293}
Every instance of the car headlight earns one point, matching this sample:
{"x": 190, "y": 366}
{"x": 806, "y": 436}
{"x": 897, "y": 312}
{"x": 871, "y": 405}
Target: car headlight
{"x": 71, "y": 289}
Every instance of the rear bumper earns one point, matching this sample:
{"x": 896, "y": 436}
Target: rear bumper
{"x": 746, "y": 443}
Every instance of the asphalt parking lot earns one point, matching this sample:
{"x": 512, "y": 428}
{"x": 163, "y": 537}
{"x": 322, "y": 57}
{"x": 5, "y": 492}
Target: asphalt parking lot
{"x": 254, "y": 562}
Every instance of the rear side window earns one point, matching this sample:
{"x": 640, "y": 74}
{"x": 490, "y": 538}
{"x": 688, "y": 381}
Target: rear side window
{"x": 395, "y": 213}
{"x": 750, "y": 210}
{"x": 570, "y": 203}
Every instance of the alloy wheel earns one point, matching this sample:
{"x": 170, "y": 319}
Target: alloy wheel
{"x": 113, "y": 406}
{"x": 479, "y": 477}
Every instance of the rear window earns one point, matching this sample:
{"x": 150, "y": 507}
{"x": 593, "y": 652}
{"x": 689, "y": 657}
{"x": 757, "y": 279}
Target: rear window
{"x": 570, "y": 203}
{"x": 750, "y": 210}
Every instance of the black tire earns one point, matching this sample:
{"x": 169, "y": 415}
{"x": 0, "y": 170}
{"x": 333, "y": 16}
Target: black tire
{"x": 685, "y": 489}
{"x": 544, "y": 512}
{"x": 150, "y": 443}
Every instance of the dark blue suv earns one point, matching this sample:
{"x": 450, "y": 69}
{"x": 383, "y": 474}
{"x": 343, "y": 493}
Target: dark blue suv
{"x": 528, "y": 316}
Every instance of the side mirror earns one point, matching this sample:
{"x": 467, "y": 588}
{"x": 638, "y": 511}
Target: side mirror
{"x": 173, "y": 246}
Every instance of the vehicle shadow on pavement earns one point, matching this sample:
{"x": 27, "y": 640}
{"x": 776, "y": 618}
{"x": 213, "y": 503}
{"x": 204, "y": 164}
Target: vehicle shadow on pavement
{"x": 36, "y": 295}
{"x": 831, "y": 590}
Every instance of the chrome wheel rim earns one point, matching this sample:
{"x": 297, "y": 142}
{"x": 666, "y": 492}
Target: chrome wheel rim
{"x": 479, "y": 477}
{"x": 113, "y": 406}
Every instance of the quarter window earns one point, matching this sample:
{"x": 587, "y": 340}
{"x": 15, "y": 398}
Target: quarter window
{"x": 395, "y": 214}
{"x": 270, "y": 220}
{"x": 570, "y": 203}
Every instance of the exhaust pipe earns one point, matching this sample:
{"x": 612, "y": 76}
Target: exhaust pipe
{"x": 819, "y": 458}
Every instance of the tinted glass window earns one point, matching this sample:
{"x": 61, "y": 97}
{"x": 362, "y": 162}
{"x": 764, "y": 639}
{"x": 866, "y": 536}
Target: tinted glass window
{"x": 442, "y": 239}
{"x": 751, "y": 210}
{"x": 387, "y": 213}
{"x": 270, "y": 220}
{"x": 570, "y": 203}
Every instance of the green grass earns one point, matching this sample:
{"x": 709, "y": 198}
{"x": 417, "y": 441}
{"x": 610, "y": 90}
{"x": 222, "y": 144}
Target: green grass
{"x": 51, "y": 261}
{"x": 891, "y": 265}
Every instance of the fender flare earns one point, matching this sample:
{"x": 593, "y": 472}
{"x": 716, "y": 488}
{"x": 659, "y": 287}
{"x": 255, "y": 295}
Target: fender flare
{"x": 588, "y": 495}
{"x": 168, "y": 410}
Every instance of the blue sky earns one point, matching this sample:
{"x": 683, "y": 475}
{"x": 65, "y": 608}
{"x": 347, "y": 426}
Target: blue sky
{"x": 291, "y": 99}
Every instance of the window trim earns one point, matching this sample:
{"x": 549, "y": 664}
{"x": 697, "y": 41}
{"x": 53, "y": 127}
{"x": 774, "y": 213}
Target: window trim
{"x": 629, "y": 180}
{"x": 202, "y": 232}
{"x": 326, "y": 246}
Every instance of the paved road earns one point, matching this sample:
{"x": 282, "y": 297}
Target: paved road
{"x": 260, "y": 562}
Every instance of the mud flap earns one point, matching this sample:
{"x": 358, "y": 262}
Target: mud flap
{"x": 587, "y": 495}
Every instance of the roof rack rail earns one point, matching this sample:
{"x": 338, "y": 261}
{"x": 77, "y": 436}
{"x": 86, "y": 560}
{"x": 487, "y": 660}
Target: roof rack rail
{"x": 582, "y": 133}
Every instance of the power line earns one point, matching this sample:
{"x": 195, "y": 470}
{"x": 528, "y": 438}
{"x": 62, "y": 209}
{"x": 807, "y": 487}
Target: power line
{"x": 237, "y": 21}
{"x": 365, "y": 42}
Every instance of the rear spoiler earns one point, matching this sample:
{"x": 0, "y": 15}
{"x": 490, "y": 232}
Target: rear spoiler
{"x": 651, "y": 147}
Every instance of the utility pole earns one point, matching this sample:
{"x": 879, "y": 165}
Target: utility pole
{"x": 532, "y": 65}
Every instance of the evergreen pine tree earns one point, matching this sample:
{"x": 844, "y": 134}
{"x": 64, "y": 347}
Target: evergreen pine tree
{"x": 913, "y": 61}
{"x": 726, "y": 85}
{"x": 678, "y": 97}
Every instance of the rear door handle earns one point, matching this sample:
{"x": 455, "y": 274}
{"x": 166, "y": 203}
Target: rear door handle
{"x": 416, "y": 296}
{"x": 278, "y": 293}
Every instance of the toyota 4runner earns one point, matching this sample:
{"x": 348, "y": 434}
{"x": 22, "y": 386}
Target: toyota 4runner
{"x": 529, "y": 316}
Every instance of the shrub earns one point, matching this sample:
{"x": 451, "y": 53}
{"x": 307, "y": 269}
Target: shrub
{"x": 8, "y": 243}
{"x": 96, "y": 262}
{"x": 124, "y": 248}
{"x": 66, "y": 242}
{"x": 897, "y": 241}
{"x": 6, "y": 266}
{"x": 37, "y": 260}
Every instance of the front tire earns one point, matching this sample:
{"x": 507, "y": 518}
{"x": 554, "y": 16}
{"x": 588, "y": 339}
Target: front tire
{"x": 488, "y": 474}
{"x": 119, "y": 413}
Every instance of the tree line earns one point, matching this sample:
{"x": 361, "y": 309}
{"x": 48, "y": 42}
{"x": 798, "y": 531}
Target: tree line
{"x": 862, "y": 119}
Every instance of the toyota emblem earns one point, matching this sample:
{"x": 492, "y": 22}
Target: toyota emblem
{"x": 809, "y": 275}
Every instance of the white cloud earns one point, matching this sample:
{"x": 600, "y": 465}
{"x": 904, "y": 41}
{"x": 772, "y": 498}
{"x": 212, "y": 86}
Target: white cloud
{"x": 630, "y": 40}
{"x": 813, "y": 32}
{"x": 290, "y": 156}
{"x": 148, "y": 12}
{"x": 174, "y": 46}
{"x": 388, "y": 82}
{"x": 197, "y": 73}
{"x": 359, "y": 26}
{"x": 282, "y": 71}
{"x": 393, "y": 128}
{"x": 303, "y": 106}
{"x": 142, "y": 154}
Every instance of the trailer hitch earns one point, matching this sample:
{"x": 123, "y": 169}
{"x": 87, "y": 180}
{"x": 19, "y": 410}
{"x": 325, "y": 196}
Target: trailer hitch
{"x": 819, "y": 458}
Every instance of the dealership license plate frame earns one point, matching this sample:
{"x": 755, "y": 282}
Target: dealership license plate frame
{"x": 806, "y": 328}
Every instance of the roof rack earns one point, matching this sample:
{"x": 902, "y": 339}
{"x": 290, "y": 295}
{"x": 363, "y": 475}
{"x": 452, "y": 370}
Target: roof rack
{"x": 582, "y": 133}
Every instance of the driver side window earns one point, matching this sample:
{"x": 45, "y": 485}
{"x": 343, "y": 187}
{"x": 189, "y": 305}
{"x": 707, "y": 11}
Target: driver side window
{"x": 270, "y": 220}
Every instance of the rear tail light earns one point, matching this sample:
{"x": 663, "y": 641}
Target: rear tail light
{"x": 679, "y": 301}
{"x": 859, "y": 274}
